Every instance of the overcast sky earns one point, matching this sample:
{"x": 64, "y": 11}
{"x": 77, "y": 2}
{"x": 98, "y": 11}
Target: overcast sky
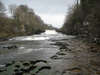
{"x": 51, "y": 11}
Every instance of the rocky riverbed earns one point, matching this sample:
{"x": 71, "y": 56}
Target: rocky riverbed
{"x": 49, "y": 54}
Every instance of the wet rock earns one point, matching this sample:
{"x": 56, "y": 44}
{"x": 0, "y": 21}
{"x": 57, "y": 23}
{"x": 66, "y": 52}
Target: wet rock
{"x": 26, "y": 64}
{"x": 3, "y": 69}
{"x": 18, "y": 73}
{"x": 44, "y": 61}
{"x": 17, "y": 66}
{"x": 61, "y": 43}
{"x": 22, "y": 69}
{"x": 13, "y": 62}
{"x": 10, "y": 47}
{"x": 63, "y": 50}
{"x": 32, "y": 67}
{"x": 8, "y": 64}
{"x": 63, "y": 47}
{"x": 75, "y": 69}
{"x": 68, "y": 49}
{"x": 58, "y": 43}
{"x": 2, "y": 66}
{"x": 56, "y": 57}
{"x": 4, "y": 39}
{"x": 97, "y": 40}
{"x": 61, "y": 53}
{"x": 94, "y": 49}
{"x": 32, "y": 74}
{"x": 37, "y": 61}
{"x": 44, "y": 67}
{"x": 98, "y": 73}
{"x": 32, "y": 62}
{"x": 16, "y": 70}
{"x": 72, "y": 71}
{"x": 25, "y": 70}
{"x": 95, "y": 63}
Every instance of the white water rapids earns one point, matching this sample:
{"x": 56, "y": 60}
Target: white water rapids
{"x": 48, "y": 34}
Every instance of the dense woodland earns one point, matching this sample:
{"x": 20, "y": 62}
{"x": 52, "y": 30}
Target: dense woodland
{"x": 83, "y": 19}
{"x": 23, "y": 21}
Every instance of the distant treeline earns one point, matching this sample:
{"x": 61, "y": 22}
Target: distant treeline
{"x": 83, "y": 19}
{"x": 23, "y": 21}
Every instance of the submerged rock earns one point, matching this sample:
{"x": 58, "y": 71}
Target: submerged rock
{"x": 61, "y": 53}
{"x": 18, "y": 73}
{"x": 17, "y": 66}
{"x": 2, "y": 68}
{"x": 43, "y": 68}
{"x": 37, "y": 61}
{"x": 26, "y": 64}
{"x": 4, "y": 39}
{"x": 10, "y": 47}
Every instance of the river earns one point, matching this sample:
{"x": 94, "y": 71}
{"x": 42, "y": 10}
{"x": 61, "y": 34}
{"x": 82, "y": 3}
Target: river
{"x": 49, "y": 53}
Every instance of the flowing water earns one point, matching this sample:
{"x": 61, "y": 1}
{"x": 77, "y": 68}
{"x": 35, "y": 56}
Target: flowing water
{"x": 49, "y": 53}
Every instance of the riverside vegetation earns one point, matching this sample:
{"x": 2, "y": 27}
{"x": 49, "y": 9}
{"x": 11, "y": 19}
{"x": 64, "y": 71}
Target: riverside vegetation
{"x": 23, "y": 21}
{"x": 83, "y": 20}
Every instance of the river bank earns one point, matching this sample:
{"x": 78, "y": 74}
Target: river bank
{"x": 85, "y": 56}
